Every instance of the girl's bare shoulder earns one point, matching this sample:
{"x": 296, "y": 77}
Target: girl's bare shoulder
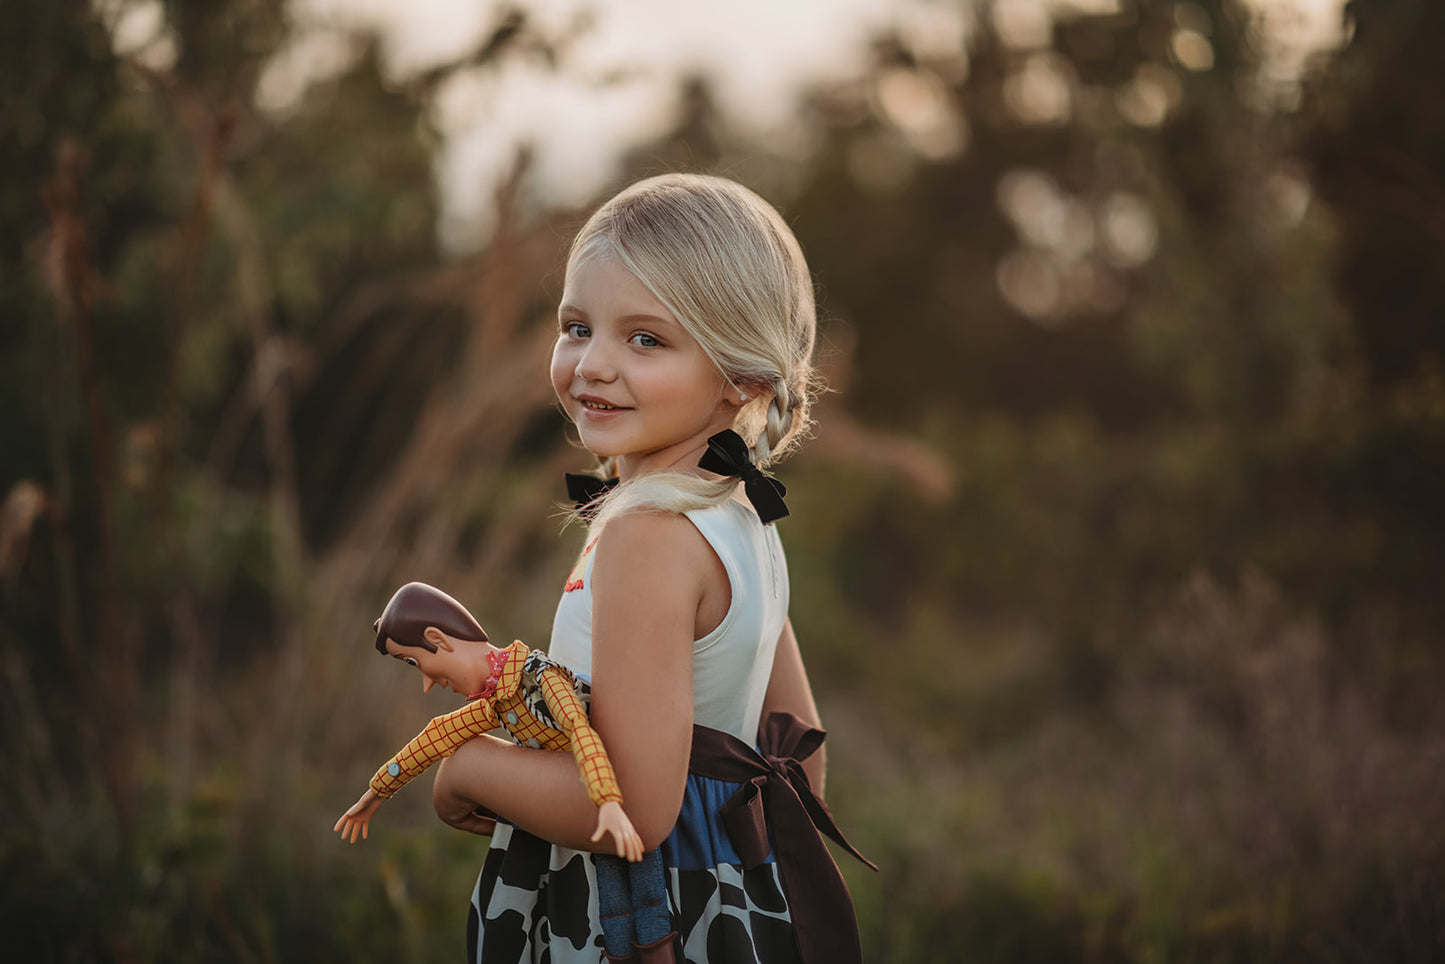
{"x": 653, "y": 544}
{"x": 649, "y": 532}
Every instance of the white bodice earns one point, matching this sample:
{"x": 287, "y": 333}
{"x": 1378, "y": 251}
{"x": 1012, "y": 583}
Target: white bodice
{"x": 732, "y": 664}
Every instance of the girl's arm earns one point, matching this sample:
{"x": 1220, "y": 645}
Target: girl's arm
{"x": 537, "y": 790}
{"x": 788, "y": 691}
{"x": 652, "y": 575}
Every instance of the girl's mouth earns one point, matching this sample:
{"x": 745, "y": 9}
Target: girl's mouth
{"x": 598, "y": 405}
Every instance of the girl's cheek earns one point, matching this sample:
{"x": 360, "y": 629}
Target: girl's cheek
{"x": 562, "y": 369}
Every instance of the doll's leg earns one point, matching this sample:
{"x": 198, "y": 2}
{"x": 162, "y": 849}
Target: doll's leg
{"x": 614, "y": 905}
{"x": 651, "y": 918}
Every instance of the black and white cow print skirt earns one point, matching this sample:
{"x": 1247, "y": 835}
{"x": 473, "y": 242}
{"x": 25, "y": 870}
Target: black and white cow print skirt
{"x": 538, "y": 903}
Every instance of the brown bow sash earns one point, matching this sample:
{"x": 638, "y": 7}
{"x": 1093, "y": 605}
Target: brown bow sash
{"x": 775, "y": 793}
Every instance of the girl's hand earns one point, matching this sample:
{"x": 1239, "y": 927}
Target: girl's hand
{"x": 358, "y": 818}
{"x": 479, "y": 822}
{"x": 611, "y": 819}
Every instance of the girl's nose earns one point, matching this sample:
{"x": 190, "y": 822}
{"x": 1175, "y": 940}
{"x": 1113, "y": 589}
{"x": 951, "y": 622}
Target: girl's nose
{"x": 595, "y": 365}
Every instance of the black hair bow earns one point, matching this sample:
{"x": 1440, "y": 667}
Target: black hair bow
{"x": 727, "y": 454}
{"x": 586, "y": 489}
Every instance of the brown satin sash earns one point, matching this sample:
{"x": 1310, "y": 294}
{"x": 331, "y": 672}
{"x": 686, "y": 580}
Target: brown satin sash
{"x": 775, "y": 793}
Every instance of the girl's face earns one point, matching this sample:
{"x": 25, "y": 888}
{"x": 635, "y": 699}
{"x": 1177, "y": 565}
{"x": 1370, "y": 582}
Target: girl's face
{"x": 637, "y": 385}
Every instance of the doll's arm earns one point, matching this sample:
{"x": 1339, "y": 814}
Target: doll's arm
{"x": 587, "y": 748}
{"x": 439, "y": 739}
{"x": 593, "y": 763}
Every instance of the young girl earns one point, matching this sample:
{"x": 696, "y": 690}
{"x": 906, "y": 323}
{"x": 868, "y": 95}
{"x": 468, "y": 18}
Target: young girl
{"x": 683, "y": 356}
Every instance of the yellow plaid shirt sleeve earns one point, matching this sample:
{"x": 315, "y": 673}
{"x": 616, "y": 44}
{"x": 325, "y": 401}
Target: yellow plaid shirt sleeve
{"x": 587, "y": 748}
{"x": 441, "y": 738}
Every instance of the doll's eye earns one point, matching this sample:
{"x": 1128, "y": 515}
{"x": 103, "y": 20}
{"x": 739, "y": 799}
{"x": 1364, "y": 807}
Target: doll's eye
{"x": 410, "y": 662}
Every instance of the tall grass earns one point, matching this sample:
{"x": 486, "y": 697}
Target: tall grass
{"x": 1241, "y": 796}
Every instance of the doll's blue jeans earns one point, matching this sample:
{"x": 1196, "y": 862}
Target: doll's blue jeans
{"x": 632, "y": 901}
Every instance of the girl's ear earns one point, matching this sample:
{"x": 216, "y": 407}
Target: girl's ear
{"x": 742, "y": 393}
{"x": 437, "y": 638}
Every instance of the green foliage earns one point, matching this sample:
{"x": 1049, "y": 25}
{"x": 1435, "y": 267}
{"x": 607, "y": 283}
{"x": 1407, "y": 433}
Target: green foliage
{"x": 196, "y": 895}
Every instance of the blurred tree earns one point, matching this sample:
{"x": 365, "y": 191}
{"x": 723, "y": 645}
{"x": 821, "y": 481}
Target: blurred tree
{"x": 1379, "y": 162}
{"x": 205, "y": 410}
{"x": 1109, "y": 222}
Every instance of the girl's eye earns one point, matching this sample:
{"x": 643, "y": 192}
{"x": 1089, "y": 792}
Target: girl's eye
{"x": 575, "y": 329}
{"x": 643, "y": 340}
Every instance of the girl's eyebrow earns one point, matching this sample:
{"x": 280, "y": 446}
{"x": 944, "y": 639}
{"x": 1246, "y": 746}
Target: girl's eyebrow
{"x": 641, "y": 317}
{"x": 648, "y": 319}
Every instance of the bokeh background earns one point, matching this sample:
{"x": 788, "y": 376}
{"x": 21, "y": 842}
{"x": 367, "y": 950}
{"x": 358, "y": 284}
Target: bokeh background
{"x": 1116, "y": 554}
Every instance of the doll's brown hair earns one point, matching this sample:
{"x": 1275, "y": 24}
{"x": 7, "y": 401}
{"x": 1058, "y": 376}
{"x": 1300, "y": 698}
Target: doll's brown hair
{"x": 416, "y": 606}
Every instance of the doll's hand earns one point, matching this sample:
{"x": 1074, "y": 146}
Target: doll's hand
{"x": 611, "y": 819}
{"x": 358, "y": 818}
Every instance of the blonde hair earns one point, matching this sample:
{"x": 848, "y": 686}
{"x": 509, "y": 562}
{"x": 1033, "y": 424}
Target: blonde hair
{"x": 727, "y": 266}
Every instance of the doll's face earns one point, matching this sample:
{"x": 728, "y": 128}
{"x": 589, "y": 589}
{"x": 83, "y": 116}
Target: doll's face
{"x": 449, "y": 667}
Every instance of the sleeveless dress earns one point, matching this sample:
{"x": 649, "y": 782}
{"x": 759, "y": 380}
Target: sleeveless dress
{"x": 537, "y": 902}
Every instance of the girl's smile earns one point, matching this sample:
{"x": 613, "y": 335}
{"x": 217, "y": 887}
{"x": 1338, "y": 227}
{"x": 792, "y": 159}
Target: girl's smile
{"x": 594, "y": 407}
{"x": 639, "y": 387}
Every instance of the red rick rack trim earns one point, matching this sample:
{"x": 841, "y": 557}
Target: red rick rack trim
{"x": 574, "y": 581}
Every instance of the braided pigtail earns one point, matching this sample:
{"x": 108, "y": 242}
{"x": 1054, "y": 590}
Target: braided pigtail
{"x": 777, "y": 426}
